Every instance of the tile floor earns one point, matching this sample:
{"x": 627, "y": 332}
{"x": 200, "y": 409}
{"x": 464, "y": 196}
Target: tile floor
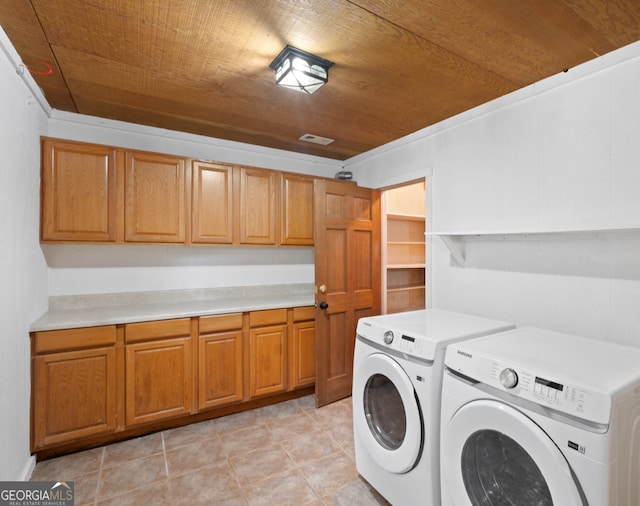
{"x": 285, "y": 454}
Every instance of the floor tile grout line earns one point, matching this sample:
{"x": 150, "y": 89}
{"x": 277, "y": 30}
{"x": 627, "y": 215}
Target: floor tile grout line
{"x": 95, "y": 497}
{"x": 241, "y": 487}
{"x": 321, "y": 420}
{"x": 164, "y": 456}
{"x": 317, "y": 494}
{"x": 304, "y": 477}
{"x": 166, "y": 467}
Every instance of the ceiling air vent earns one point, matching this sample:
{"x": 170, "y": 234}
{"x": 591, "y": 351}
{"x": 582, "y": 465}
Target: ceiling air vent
{"x": 316, "y": 139}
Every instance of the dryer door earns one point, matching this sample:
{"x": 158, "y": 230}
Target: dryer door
{"x": 494, "y": 454}
{"x": 386, "y": 413}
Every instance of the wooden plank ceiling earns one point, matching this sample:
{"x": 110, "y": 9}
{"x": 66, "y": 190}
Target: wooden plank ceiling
{"x": 202, "y": 66}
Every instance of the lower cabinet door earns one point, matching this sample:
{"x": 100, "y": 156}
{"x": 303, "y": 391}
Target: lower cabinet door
{"x": 74, "y": 395}
{"x": 303, "y": 354}
{"x": 220, "y": 369}
{"x": 158, "y": 380}
{"x": 267, "y": 360}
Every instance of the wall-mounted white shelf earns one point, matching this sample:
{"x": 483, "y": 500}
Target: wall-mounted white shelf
{"x": 453, "y": 240}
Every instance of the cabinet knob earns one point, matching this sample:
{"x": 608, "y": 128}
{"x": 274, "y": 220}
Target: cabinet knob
{"x": 323, "y": 305}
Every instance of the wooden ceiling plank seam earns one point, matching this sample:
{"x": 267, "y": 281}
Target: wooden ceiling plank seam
{"x": 173, "y": 94}
{"x": 179, "y": 112}
{"x": 55, "y": 59}
{"x": 171, "y": 122}
{"x": 401, "y": 65}
{"x": 473, "y": 27}
{"x": 26, "y": 33}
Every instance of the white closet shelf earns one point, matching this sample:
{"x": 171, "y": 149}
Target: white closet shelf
{"x": 453, "y": 240}
{"x": 404, "y": 288}
{"x": 406, "y": 266}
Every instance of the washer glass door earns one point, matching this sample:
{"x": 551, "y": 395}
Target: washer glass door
{"x": 495, "y": 468}
{"x": 494, "y": 454}
{"x": 386, "y": 413}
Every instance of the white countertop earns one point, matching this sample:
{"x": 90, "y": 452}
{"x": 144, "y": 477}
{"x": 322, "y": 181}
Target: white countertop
{"x": 92, "y": 311}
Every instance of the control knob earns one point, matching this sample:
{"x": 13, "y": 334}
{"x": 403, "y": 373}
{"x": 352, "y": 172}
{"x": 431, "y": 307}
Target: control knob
{"x": 388, "y": 337}
{"x": 508, "y": 378}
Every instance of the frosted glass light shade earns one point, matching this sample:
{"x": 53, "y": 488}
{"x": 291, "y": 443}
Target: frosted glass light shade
{"x": 301, "y": 71}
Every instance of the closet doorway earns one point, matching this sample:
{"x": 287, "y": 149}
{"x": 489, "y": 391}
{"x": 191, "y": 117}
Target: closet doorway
{"x": 403, "y": 247}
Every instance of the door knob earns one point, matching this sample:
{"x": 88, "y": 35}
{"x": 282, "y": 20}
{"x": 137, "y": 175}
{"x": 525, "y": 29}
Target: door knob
{"x": 324, "y": 305}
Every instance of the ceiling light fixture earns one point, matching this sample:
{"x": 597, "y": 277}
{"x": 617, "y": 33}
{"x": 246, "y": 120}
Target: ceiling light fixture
{"x": 298, "y": 70}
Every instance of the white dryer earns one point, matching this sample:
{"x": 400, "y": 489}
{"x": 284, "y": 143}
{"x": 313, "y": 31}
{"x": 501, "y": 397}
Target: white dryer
{"x": 397, "y": 376}
{"x": 537, "y": 417}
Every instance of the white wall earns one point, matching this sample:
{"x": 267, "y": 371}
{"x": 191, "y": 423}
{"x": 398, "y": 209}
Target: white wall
{"x": 30, "y": 272}
{"x": 80, "y": 127}
{"x": 92, "y": 269}
{"x": 77, "y": 270}
{"x": 23, "y": 272}
{"x": 562, "y": 154}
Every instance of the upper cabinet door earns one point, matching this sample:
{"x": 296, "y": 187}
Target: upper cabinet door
{"x": 154, "y": 198}
{"x": 212, "y": 211}
{"x": 296, "y": 210}
{"x": 258, "y": 206}
{"x": 78, "y": 192}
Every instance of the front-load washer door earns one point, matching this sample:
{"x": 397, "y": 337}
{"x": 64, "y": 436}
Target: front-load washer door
{"x": 386, "y": 413}
{"x": 494, "y": 454}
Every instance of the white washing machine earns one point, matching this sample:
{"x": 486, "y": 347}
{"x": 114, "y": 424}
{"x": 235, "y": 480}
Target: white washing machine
{"x": 397, "y": 375}
{"x": 533, "y": 417}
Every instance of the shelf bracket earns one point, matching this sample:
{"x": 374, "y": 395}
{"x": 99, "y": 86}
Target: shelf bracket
{"x": 456, "y": 253}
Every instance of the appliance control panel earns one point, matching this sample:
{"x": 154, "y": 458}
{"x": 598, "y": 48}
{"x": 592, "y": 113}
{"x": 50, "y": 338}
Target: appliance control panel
{"x": 396, "y": 341}
{"x": 540, "y": 387}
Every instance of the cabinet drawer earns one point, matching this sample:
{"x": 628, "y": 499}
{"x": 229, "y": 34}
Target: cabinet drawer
{"x": 268, "y": 317}
{"x": 306, "y": 313}
{"x": 220, "y": 323}
{"x": 144, "y": 331}
{"x": 69, "y": 339}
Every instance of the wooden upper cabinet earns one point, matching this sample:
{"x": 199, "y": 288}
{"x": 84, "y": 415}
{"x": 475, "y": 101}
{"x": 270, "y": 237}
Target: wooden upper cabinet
{"x": 296, "y": 210}
{"x": 154, "y": 198}
{"x": 212, "y": 203}
{"x": 96, "y": 193}
{"x": 78, "y": 192}
{"x": 258, "y": 198}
